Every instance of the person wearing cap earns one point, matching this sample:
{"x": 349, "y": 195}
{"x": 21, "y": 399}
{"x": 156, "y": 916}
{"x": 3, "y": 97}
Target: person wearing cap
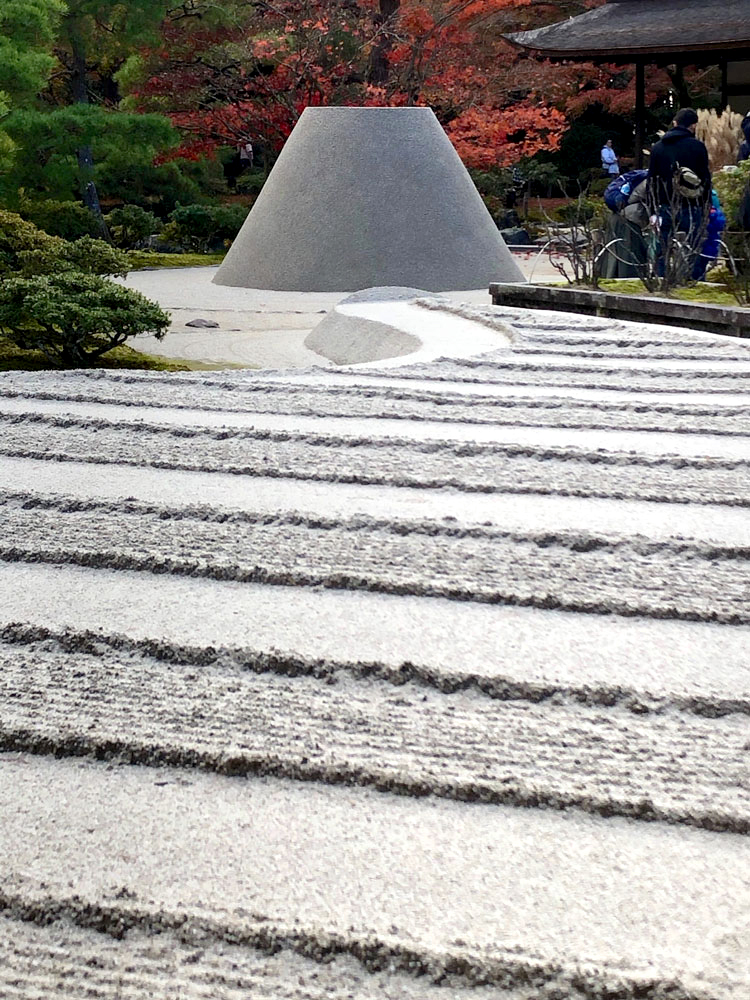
{"x": 677, "y": 149}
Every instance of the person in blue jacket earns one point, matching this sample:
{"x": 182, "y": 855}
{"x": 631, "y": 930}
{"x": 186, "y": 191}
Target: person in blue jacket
{"x": 744, "y": 152}
{"x": 610, "y": 163}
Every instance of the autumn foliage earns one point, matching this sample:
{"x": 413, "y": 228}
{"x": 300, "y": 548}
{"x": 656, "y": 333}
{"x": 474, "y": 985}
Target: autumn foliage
{"x": 242, "y": 71}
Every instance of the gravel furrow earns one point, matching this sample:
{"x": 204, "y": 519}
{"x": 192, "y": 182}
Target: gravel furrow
{"x": 722, "y": 525}
{"x": 573, "y": 571}
{"x": 565, "y": 893}
{"x": 396, "y": 462}
{"x": 700, "y": 664}
{"x": 599, "y": 350}
{"x": 507, "y": 372}
{"x": 403, "y": 404}
{"x": 489, "y": 684}
{"x": 81, "y": 954}
{"x": 409, "y": 740}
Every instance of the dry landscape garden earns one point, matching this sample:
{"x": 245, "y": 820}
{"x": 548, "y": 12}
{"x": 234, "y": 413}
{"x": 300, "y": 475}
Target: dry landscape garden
{"x": 362, "y": 638}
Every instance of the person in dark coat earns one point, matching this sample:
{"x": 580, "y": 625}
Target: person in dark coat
{"x": 744, "y": 152}
{"x": 743, "y": 215}
{"x": 679, "y": 148}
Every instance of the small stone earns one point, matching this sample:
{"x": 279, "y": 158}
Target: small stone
{"x": 204, "y": 323}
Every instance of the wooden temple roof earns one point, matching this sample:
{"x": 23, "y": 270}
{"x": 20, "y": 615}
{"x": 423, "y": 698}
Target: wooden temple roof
{"x": 623, "y": 29}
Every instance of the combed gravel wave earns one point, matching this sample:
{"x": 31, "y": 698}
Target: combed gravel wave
{"x": 636, "y": 759}
{"x": 572, "y": 570}
{"x": 484, "y": 468}
{"x": 421, "y": 681}
{"x": 331, "y": 400}
{"x": 82, "y": 954}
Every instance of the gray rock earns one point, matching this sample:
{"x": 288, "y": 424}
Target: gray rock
{"x": 516, "y": 237}
{"x": 204, "y": 324}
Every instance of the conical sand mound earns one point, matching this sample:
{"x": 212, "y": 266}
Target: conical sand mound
{"x": 368, "y": 196}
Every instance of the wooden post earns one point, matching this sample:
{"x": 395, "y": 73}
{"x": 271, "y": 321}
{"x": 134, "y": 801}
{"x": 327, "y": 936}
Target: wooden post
{"x": 724, "y": 84}
{"x": 640, "y": 111}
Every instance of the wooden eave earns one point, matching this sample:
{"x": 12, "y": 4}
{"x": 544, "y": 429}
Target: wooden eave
{"x": 650, "y": 30}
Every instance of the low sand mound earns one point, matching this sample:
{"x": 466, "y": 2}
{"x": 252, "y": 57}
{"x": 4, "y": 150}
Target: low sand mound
{"x": 403, "y": 680}
{"x": 348, "y": 337}
{"x": 377, "y": 324}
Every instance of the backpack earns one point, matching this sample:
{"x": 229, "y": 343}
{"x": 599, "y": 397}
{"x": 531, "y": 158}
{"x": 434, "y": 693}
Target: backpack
{"x": 618, "y": 191}
{"x": 687, "y": 183}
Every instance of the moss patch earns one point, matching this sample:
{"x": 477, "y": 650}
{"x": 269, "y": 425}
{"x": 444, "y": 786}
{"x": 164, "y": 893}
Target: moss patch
{"x": 13, "y": 359}
{"x": 711, "y": 294}
{"x": 143, "y": 260}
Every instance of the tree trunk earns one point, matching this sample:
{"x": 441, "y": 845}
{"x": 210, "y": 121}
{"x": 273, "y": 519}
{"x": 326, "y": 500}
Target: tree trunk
{"x": 379, "y": 69}
{"x": 79, "y": 90}
{"x": 677, "y": 76}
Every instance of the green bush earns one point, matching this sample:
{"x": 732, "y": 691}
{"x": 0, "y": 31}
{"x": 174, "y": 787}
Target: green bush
{"x": 74, "y": 318}
{"x": 66, "y": 219}
{"x": 251, "y": 182}
{"x": 731, "y": 186}
{"x": 577, "y": 212}
{"x": 18, "y": 236}
{"x": 492, "y": 183}
{"x": 598, "y": 186}
{"x": 55, "y": 298}
{"x": 86, "y": 255}
{"x": 130, "y": 225}
{"x": 542, "y": 177}
{"x": 205, "y": 227}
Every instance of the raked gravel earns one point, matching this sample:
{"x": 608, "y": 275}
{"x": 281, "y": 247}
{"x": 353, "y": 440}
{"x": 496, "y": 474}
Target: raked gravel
{"x": 426, "y": 678}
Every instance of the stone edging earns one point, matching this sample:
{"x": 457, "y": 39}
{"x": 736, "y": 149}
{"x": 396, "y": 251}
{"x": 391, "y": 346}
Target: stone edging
{"x": 726, "y": 320}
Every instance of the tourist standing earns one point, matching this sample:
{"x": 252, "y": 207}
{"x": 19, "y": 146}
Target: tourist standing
{"x": 679, "y": 183}
{"x": 610, "y": 163}
{"x": 744, "y": 153}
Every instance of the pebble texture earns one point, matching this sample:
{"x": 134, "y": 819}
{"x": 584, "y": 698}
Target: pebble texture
{"x": 364, "y": 197}
{"x": 426, "y": 681}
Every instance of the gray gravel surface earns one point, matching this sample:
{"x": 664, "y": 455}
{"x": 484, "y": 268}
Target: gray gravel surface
{"x": 372, "y": 726}
{"x": 421, "y": 681}
{"x": 577, "y": 571}
{"x": 729, "y": 526}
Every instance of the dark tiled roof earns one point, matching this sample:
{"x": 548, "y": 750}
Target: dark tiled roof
{"x": 633, "y": 27}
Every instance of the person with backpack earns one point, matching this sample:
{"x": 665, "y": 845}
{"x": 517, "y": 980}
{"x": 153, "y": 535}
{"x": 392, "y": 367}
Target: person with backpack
{"x": 624, "y": 249}
{"x": 679, "y": 185}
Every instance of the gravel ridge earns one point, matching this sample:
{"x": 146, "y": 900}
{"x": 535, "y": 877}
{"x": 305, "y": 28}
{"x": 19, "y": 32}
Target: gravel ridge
{"x": 263, "y": 748}
{"x": 575, "y": 571}
{"x": 610, "y": 757}
{"x": 101, "y": 950}
{"x": 471, "y": 467}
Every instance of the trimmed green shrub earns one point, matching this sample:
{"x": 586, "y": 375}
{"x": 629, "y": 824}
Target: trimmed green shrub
{"x": 205, "y": 227}
{"x": 731, "y": 186}
{"x": 251, "y": 182}
{"x": 67, "y": 219}
{"x": 26, "y": 251}
{"x": 493, "y": 183}
{"x": 131, "y": 225}
{"x": 576, "y": 212}
{"x": 74, "y": 318}
{"x": 55, "y": 298}
{"x": 17, "y": 236}
{"x": 86, "y": 255}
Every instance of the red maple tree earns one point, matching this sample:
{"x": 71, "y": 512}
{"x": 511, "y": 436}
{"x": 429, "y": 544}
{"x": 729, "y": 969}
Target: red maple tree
{"x": 249, "y": 71}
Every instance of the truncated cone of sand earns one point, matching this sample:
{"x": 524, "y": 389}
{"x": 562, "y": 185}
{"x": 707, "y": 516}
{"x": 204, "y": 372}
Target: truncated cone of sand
{"x": 361, "y": 197}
